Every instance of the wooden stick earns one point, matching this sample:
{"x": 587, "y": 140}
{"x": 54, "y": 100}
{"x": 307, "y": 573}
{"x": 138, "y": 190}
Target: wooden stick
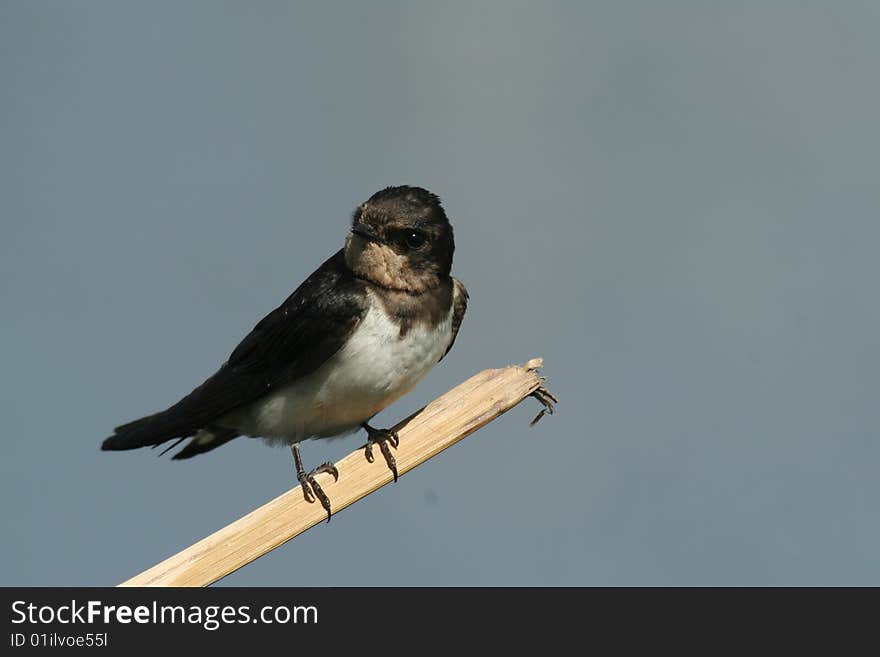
{"x": 442, "y": 423}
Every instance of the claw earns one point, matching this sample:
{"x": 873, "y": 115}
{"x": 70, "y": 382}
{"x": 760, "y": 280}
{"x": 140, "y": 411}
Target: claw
{"x": 382, "y": 437}
{"x": 547, "y": 398}
{"x": 319, "y": 493}
{"x": 307, "y": 487}
{"x": 327, "y": 467}
{"x": 310, "y": 487}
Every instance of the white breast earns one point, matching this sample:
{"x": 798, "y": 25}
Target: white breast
{"x": 375, "y": 367}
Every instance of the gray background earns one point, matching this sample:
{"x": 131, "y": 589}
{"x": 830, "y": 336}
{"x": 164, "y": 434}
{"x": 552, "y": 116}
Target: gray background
{"x": 675, "y": 204}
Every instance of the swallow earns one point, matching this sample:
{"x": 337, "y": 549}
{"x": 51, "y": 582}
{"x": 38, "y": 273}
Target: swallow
{"x": 354, "y": 337}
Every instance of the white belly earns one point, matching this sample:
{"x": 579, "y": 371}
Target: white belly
{"x": 374, "y": 368}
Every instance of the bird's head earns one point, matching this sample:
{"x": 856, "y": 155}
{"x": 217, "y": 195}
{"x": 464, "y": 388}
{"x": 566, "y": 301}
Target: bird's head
{"x": 401, "y": 239}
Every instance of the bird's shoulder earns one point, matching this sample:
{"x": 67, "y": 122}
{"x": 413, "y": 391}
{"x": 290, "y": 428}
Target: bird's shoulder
{"x": 460, "y": 298}
{"x": 310, "y": 325}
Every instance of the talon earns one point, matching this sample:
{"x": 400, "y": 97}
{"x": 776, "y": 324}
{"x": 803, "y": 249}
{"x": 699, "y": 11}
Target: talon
{"x": 327, "y": 467}
{"x": 307, "y": 489}
{"x": 382, "y": 437}
{"x": 319, "y": 493}
{"x": 547, "y": 398}
{"x": 389, "y": 458}
{"x": 310, "y": 487}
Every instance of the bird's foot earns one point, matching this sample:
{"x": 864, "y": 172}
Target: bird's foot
{"x": 310, "y": 487}
{"x": 547, "y": 398}
{"x": 382, "y": 437}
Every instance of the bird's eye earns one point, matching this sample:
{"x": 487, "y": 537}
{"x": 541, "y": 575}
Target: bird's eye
{"x": 414, "y": 239}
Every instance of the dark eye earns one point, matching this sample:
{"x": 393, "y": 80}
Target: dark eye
{"x": 414, "y": 239}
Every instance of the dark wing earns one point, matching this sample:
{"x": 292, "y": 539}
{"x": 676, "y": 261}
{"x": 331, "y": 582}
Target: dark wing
{"x": 290, "y": 342}
{"x": 460, "y": 298}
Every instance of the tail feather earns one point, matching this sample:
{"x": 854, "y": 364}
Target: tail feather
{"x": 204, "y": 441}
{"x": 193, "y": 415}
{"x": 148, "y": 431}
{"x": 154, "y": 430}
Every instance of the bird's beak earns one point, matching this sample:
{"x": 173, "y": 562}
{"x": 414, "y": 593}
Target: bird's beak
{"x": 362, "y": 230}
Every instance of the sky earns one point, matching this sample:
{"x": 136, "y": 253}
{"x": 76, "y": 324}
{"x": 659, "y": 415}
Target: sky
{"x": 675, "y": 204}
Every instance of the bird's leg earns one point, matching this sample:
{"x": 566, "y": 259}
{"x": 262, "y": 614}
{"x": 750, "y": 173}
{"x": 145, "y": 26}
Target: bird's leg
{"x": 307, "y": 480}
{"x": 382, "y": 437}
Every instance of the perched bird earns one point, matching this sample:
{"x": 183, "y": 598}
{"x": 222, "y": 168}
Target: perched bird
{"x": 355, "y": 336}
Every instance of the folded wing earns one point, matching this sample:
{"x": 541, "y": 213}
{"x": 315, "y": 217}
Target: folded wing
{"x": 290, "y": 342}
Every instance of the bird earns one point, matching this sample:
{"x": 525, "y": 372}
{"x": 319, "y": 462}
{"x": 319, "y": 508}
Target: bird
{"x": 359, "y": 333}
